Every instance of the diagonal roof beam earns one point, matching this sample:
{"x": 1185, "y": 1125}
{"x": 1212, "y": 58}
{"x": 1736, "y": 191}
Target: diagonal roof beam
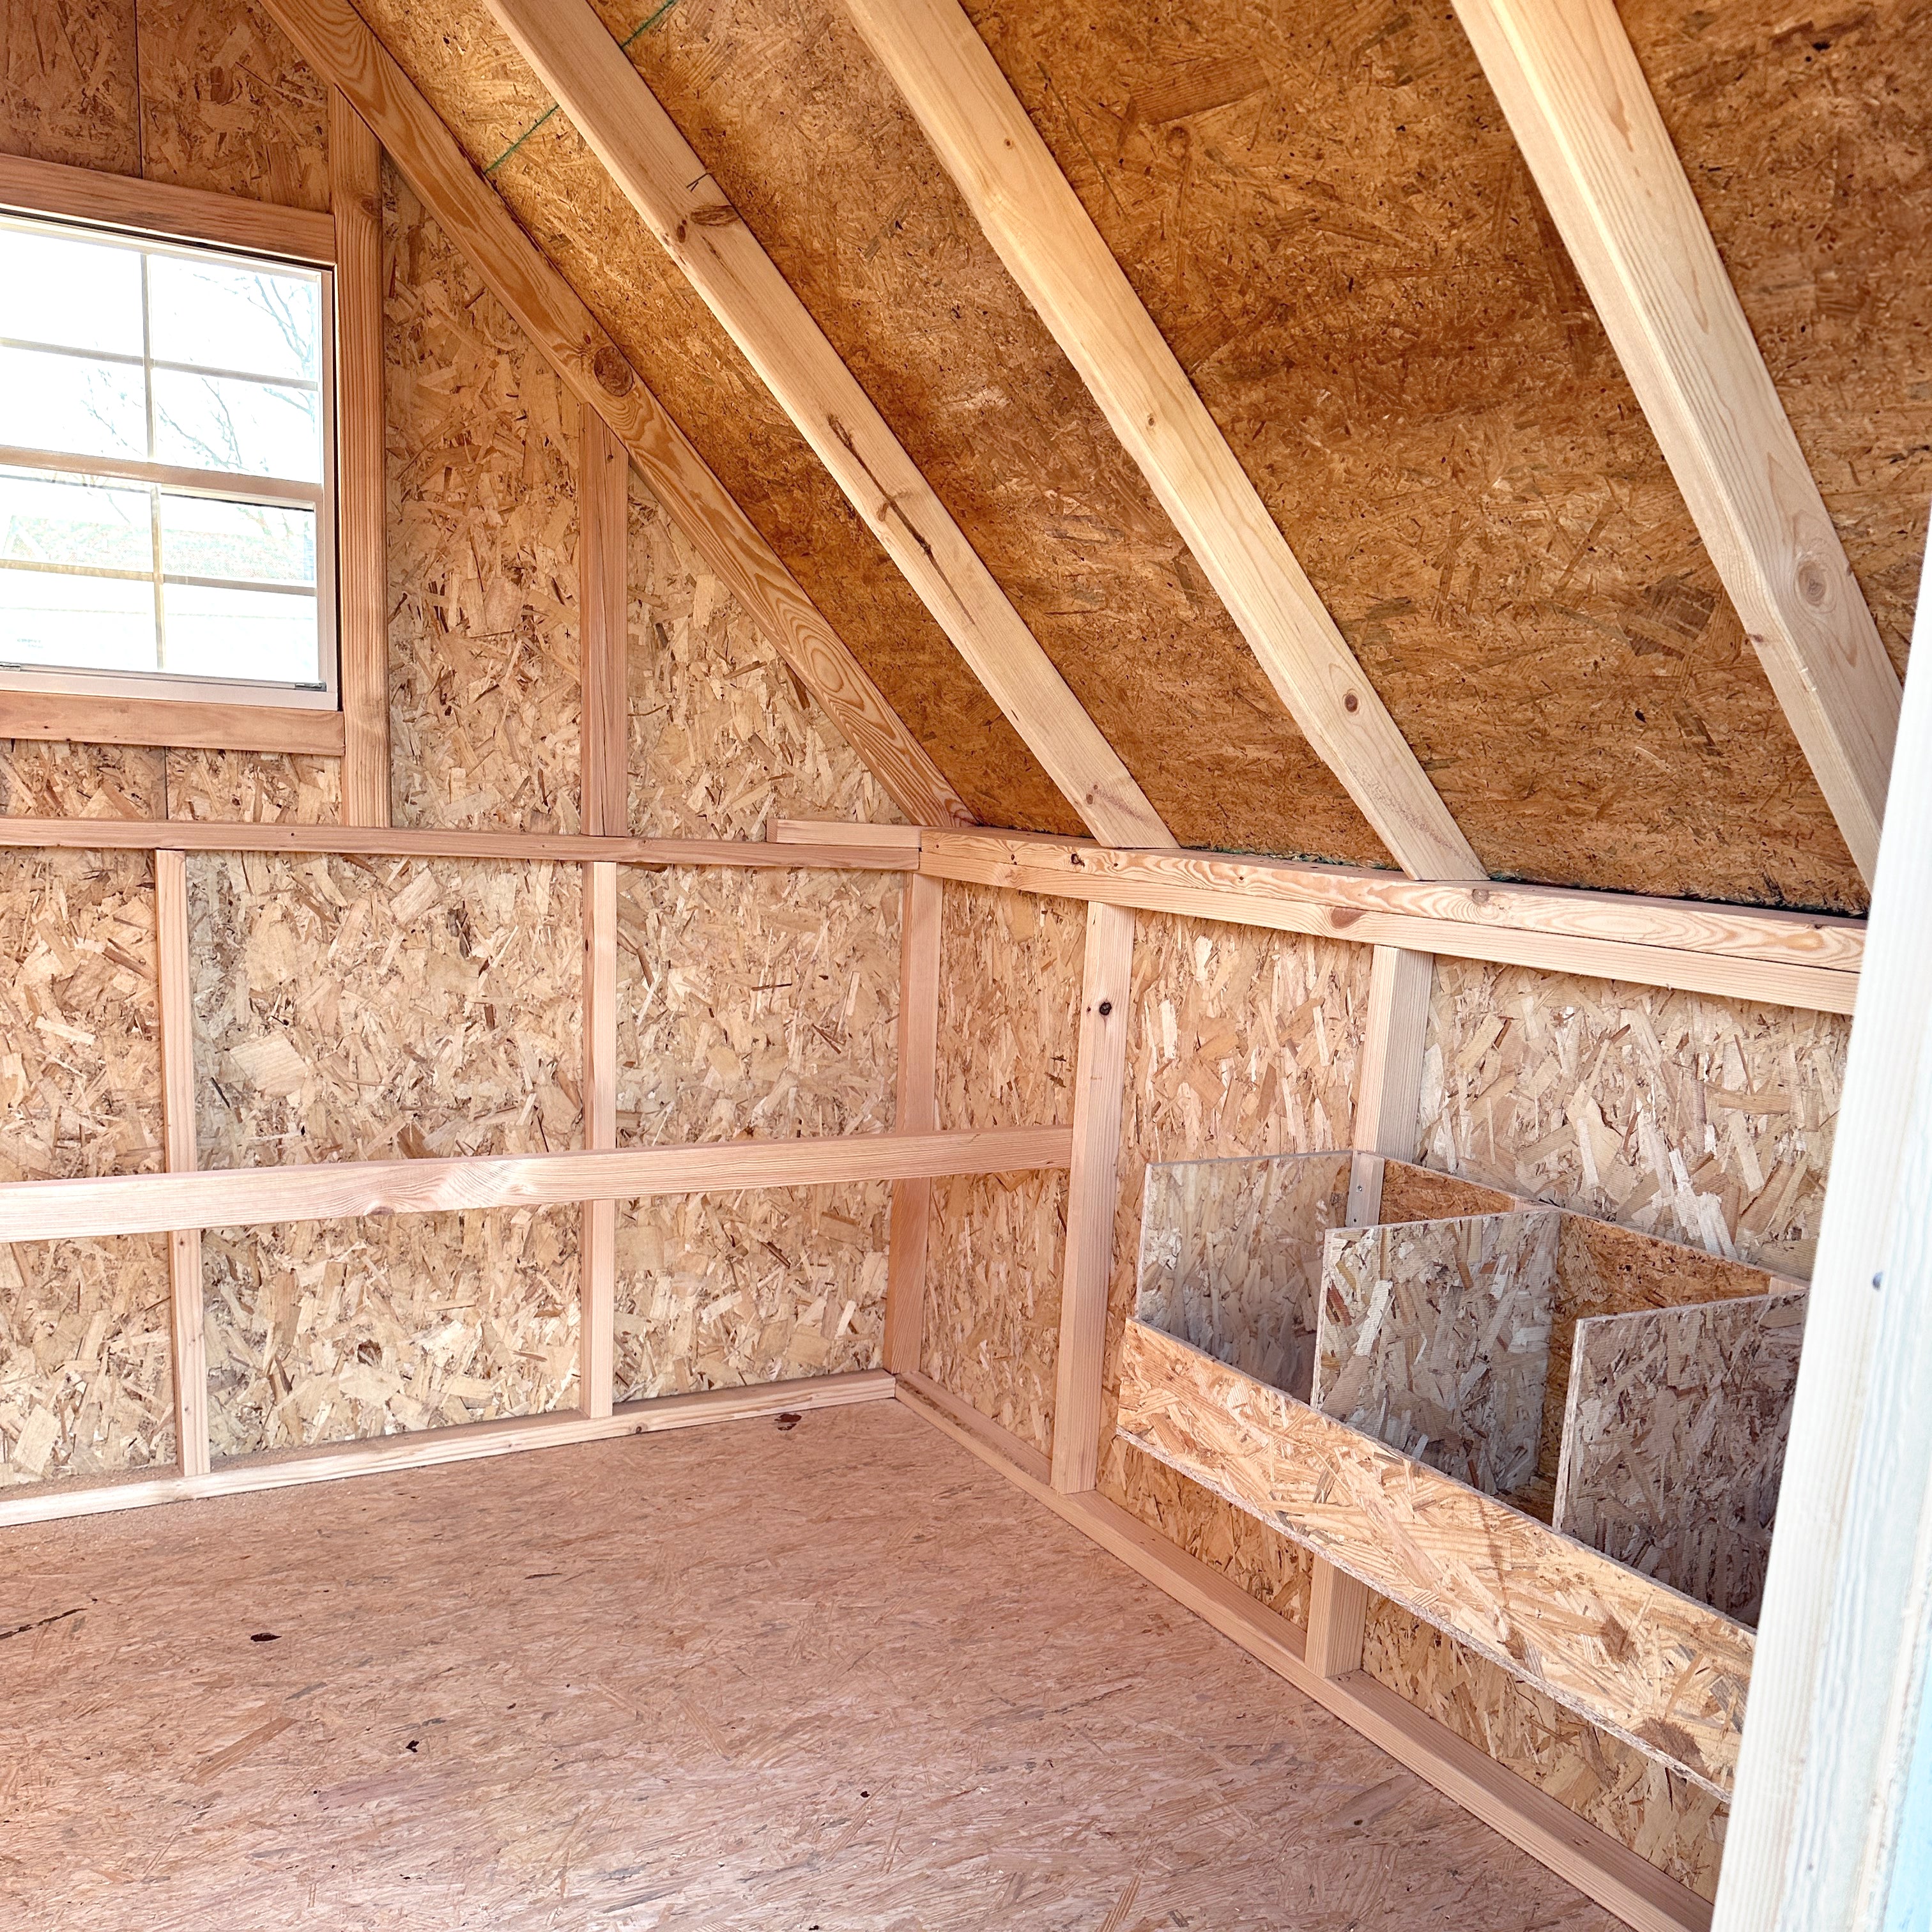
{"x": 1588, "y": 126}
{"x": 608, "y": 102}
{"x": 333, "y": 39}
{"x": 1051, "y": 246}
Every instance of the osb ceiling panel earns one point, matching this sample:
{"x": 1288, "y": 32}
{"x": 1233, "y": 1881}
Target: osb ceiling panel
{"x": 1324, "y": 210}
{"x": 1804, "y": 136}
{"x": 556, "y": 188}
{"x": 806, "y": 135}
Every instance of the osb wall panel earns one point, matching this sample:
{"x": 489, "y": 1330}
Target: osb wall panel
{"x": 482, "y": 546}
{"x": 994, "y": 1247}
{"x": 755, "y": 1003}
{"x": 1703, "y": 1120}
{"x": 261, "y": 786}
{"x": 228, "y": 104}
{"x": 1323, "y": 209}
{"x": 1010, "y": 966}
{"x": 717, "y": 1291}
{"x": 321, "y": 1331}
{"x": 723, "y": 736}
{"x": 1010, "y": 974}
{"x": 59, "y": 781}
{"x": 1240, "y": 1042}
{"x": 1803, "y": 134}
{"x": 363, "y": 1011}
{"x": 490, "y": 100}
{"x": 1678, "y": 1826}
{"x": 67, "y": 86}
{"x": 85, "y": 1386}
{"x": 86, "y": 1377}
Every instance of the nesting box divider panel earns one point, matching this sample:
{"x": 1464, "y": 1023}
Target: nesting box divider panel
{"x": 1230, "y": 1256}
{"x": 1434, "y": 1337}
{"x": 1674, "y": 1439}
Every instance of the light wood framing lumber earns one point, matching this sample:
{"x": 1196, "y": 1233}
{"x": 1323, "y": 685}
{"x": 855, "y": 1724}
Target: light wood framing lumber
{"x": 144, "y": 1204}
{"x": 361, "y": 465}
{"x": 174, "y": 1004}
{"x": 1338, "y": 1610}
{"x": 181, "y": 835}
{"x": 1611, "y": 1873}
{"x": 603, "y": 475}
{"x": 463, "y": 1442}
{"x": 1051, "y": 247}
{"x": 1791, "y": 959}
{"x": 838, "y": 831}
{"x": 609, "y": 105}
{"x": 99, "y": 719}
{"x": 1092, "y": 1193}
{"x": 1667, "y": 1675}
{"x": 1588, "y": 127}
{"x": 1388, "y": 1094}
{"x": 917, "y": 1113}
{"x": 597, "y": 1354}
{"x": 158, "y": 208}
{"x": 333, "y": 39}
{"x": 1826, "y": 1754}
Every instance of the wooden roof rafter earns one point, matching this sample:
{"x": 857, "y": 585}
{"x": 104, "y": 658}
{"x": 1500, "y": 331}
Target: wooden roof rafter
{"x": 334, "y": 40}
{"x": 1589, "y": 128}
{"x": 1050, "y": 245}
{"x": 614, "y": 110}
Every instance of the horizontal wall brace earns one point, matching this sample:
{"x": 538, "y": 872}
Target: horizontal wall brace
{"x": 383, "y": 841}
{"x": 464, "y": 1442}
{"x": 149, "y": 1204}
{"x": 1788, "y": 959}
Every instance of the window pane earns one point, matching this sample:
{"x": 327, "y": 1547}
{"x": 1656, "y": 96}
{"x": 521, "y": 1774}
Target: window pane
{"x": 67, "y": 403}
{"x": 264, "y": 635}
{"x": 209, "y": 422}
{"x": 218, "y": 316}
{"x": 86, "y": 623}
{"x": 53, "y": 520}
{"x": 81, "y": 294}
{"x": 203, "y": 537}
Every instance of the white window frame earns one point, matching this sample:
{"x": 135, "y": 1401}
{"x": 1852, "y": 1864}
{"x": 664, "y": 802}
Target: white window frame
{"x": 234, "y": 486}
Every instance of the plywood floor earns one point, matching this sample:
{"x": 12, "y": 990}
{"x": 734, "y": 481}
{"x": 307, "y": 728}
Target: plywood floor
{"x": 838, "y": 1675}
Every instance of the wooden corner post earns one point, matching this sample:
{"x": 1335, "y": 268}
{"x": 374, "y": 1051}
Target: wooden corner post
{"x": 176, "y": 1005}
{"x": 362, "y": 622}
{"x": 918, "y": 1113}
{"x": 1092, "y": 1191}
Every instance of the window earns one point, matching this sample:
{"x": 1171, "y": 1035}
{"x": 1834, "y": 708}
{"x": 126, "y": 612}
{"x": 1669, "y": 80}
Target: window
{"x": 167, "y": 514}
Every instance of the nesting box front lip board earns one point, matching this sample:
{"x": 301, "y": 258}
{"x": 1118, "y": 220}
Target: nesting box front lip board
{"x": 1666, "y": 1674}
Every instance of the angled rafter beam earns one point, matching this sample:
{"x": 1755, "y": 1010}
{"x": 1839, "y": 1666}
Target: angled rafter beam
{"x": 608, "y": 103}
{"x": 1053, "y": 251}
{"x": 334, "y": 41}
{"x": 1588, "y": 126}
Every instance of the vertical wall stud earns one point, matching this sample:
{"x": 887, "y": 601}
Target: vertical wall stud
{"x": 918, "y": 1113}
{"x": 1389, "y": 1101}
{"x": 603, "y": 477}
{"x": 176, "y": 1004}
{"x": 598, "y": 1252}
{"x": 356, "y": 200}
{"x": 1387, "y": 1109}
{"x": 1092, "y": 1194}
